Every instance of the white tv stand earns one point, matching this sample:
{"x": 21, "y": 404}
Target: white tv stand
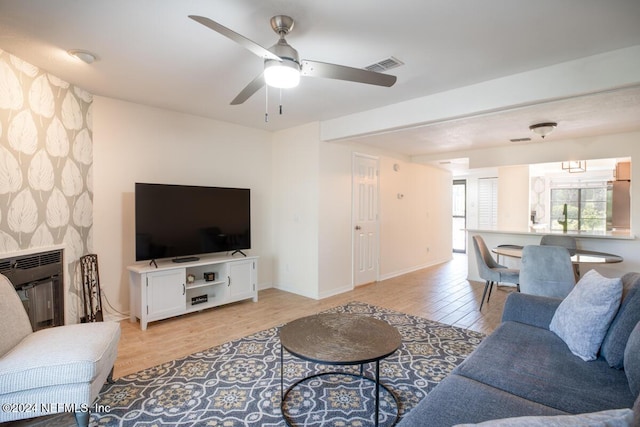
{"x": 163, "y": 292}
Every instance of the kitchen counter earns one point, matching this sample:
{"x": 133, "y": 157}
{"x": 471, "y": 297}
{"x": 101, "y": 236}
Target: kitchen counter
{"x": 621, "y": 243}
{"x": 615, "y": 234}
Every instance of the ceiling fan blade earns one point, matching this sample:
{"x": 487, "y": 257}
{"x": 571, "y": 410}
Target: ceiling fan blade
{"x": 238, "y": 38}
{"x": 249, "y": 90}
{"x": 341, "y": 72}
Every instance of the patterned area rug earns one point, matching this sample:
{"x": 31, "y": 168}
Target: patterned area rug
{"x": 238, "y": 383}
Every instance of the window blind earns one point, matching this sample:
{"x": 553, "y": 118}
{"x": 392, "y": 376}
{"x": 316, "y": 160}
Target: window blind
{"x": 488, "y": 203}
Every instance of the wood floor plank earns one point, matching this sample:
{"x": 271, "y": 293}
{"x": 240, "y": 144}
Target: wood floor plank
{"x": 440, "y": 293}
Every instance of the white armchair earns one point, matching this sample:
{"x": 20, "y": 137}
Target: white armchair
{"x": 60, "y": 369}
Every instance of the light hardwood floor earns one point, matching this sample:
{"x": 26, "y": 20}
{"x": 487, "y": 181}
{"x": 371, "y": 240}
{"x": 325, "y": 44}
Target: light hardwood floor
{"x": 441, "y": 293}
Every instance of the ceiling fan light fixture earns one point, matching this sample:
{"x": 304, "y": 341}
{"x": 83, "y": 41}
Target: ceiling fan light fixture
{"x": 282, "y": 65}
{"x": 543, "y": 129}
{"x": 281, "y": 74}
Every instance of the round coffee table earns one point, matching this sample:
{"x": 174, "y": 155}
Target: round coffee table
{"x": 339, "y": 339}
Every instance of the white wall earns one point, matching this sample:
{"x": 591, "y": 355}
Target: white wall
{"x": 513, "y": 197}
{"x": 295, "y": 209}
{"x": 301, "y": 196}
{"x": 415, "y": 231}
{"x": 416, "y": 222}
{"x": 312, "y": 214}
{"x": 335, "y": 225}
{"x": 134, "y": 143}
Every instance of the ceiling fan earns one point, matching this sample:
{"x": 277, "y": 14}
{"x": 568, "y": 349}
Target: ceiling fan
{"x": 282, "y": 66}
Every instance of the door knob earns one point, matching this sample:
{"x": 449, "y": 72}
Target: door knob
{"x": 358, "y": 227}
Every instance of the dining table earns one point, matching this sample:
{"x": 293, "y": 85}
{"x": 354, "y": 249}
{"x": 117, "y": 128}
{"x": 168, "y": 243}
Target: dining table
{"x": 578, "y": 256}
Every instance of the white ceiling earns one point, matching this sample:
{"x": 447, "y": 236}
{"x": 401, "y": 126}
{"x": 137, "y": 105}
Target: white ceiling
{"x": 588, "y": 115}
{"x": 149, "y": 52}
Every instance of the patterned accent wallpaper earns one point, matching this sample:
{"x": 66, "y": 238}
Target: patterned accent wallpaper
{"x": 46, "y": 158}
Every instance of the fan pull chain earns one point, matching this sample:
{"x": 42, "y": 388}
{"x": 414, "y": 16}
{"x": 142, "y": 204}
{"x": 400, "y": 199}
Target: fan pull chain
{"x": 280, "y": 101}
{"x": 266, "y": 103}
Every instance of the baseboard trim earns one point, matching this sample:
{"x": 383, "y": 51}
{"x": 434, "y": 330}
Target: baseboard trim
{"x": 412, "y": 269}
{"x": 337, "y": 291}
{"x": 296, "y": 291}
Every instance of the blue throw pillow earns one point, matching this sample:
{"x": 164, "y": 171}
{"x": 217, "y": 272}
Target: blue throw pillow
{"x": 615, "y": 341}
{"x": 583, "y": 317}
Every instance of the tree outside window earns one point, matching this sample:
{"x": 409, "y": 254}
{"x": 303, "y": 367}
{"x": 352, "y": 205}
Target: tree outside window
{"x": 586, "y": 208}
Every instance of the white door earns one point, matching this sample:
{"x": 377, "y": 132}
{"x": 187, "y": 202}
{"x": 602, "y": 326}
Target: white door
{"x": 365, "y": 219}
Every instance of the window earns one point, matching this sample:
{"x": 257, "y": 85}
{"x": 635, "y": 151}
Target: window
{"x": 459, "y": 215}
{"x": 586, "y": 207}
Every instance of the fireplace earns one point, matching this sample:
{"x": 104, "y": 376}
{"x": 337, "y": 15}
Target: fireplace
{"x": 38, "y": 280}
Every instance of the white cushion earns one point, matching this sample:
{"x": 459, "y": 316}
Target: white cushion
{"x": 61, "y": 355}
{"x": 583, "y": 317}
{"x": 13, "y": 317}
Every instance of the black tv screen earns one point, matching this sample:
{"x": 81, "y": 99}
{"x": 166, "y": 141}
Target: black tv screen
{"x": 177, "y": 221}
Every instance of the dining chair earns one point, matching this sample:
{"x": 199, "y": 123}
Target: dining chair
{"x": 490, "y": 270}
{"x": 547, "y": 271}
{"x": 568, "y": 242}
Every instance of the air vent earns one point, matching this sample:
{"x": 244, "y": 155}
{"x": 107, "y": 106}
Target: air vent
{"x": 520, "y": 140}
{"x": 5, "y": 266}
{"x": 38, "y": 260}
{"x": 48, "y": 258}
{"x": 30, "y": 261}
{"x": 384, "y": 65}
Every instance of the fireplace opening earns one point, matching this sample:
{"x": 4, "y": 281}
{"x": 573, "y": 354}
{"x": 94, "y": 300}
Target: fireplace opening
{"x": 38, "y": 280}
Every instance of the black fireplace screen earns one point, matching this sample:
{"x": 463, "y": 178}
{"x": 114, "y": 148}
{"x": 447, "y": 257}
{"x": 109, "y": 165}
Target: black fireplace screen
{"x": 38, "y": 280}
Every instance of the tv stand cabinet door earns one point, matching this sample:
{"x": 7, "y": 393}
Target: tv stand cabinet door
{"x": 242, "y": 280}
{"x": 165, "y": 294}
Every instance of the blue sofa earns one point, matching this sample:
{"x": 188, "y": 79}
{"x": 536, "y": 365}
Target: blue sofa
{"x": 525, "y": 370}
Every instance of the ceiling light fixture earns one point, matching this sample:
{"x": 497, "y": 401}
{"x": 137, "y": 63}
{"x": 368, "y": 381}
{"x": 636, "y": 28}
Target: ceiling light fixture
{"x": 284, "y": 73}
{"x": 281, "y": 74}
{"x": 543, "y": 129}
{"x": 83, "y": 55}
{"x": 575, "y": 166}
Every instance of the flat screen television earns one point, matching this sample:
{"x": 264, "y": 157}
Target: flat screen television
{"x": 183, "y": 221}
